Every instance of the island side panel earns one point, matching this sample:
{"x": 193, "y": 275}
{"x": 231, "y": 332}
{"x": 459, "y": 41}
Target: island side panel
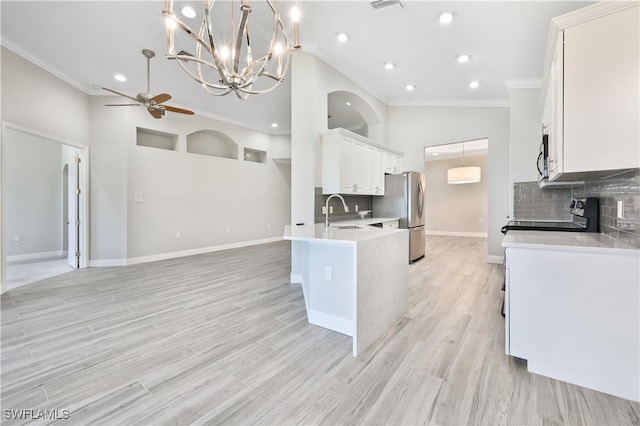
{"x": 331, "y": 279}
{"x": 382, "y": 286}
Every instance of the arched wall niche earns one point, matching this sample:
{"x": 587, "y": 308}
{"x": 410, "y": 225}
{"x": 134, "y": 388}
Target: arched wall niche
{"x": 349, "y": 111}
{"x": 212, "y": 143}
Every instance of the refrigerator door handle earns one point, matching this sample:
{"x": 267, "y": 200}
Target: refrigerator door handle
{"x": 420, "y": 198}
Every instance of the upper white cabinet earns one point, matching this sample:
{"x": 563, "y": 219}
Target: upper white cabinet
{"x": 592, "y": 91}
{"x": 353, "y": 164}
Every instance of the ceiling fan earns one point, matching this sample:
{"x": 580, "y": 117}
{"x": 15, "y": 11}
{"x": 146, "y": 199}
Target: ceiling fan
{"x": 153, "y": 104}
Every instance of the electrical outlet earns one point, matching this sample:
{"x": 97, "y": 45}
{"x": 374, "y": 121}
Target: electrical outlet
{"x": 356, "y": 207}
{"x": 228, "y": 229}
{"x": 328, "y": 273}
{"x": 620, "y": 209}
{"x": 324, "y": 209}
{"x": 268, "y": 226}
{"x": 331, "y": 209}
{"x": 178, "y": 234}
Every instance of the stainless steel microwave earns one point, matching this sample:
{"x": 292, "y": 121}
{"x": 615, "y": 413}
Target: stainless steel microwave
{"x": 543, "y": 159}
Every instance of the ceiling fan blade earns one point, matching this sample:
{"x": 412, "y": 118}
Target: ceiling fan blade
{"x": 118, "y": 93}
{"x": 161, "y": 98}
{"x": 178, "y": 110}
{"x": 121, "y": 104}
{"x": 155, "y": 112}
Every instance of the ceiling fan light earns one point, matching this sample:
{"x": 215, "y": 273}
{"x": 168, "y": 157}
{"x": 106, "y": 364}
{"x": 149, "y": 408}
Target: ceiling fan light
{"x": 459, "y": 175}
{"x": 120, "y": 77}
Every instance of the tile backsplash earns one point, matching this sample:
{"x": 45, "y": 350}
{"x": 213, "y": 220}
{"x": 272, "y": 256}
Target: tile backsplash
{"x": 362, "y": 201}
{"x": 530, "y": 202}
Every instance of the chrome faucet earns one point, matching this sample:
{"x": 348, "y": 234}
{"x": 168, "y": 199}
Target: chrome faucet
{"x": 326, "y": 207}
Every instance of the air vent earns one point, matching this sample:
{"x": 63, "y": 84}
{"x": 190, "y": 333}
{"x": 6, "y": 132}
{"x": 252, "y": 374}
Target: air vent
{"x": 386, "y": 4}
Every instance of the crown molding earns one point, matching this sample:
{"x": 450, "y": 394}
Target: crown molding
{"x": 528, "y": 83}
{"x": 480, "y": 103}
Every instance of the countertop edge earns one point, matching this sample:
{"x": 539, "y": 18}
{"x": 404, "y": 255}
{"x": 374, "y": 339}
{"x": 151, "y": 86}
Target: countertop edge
{"x": 567, "y": 241}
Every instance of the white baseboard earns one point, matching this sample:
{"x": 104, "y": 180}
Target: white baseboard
{"x": 99, "y": 263}
{"x": 34, "y": 256}
{"x": 495, "y": 259}
{"x": 332, "y": 322}
{"x": 295, "y": 278}
{"x": 176, "y": 254}
{"x": 457, "y": 234}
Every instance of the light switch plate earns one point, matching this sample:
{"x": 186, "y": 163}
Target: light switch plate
{"x": 139, "y": 197}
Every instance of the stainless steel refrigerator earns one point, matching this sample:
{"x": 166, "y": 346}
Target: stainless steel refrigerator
{"x": 404, "y": 198}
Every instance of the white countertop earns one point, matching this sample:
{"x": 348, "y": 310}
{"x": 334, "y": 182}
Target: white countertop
{"x": 367, "y": 221}
{"x": 319, "y": 234}
{"x": 574, "y": 241}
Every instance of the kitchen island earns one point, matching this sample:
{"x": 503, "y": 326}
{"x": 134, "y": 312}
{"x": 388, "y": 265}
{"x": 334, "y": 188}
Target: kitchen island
{"x": 354, "y": 281}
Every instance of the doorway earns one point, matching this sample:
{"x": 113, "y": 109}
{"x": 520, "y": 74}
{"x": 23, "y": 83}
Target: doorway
{"x": 44, "y": 201}
{"x": 456, "y": 205}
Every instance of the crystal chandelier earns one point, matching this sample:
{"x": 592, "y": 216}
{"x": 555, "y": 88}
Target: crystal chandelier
{"x": 223, "y": 58}
{"x": 459, "y": 175}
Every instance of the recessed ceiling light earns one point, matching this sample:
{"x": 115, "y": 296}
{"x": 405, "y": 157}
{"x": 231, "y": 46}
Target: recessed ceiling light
{"x": 188, "y": 12}
{"x": 389, "y": 65}
{"x": 463, "y": 58}
{"x": 274, "y": 125}
{"x": 343, "y": 37}
{"x": 348, "y": 103}
{"x": 474, "y": 84}
{"x": 120, "y": 77}
{"x": 435, "y": 153}
{"x": 446, "y": 17}
{"x": 410, "y": 87}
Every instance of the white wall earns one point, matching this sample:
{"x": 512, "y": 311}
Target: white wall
{"x": 245, "y": 198}
{"x": 524, "y": 136}
{"x": 34, "y": 99}
{"x": 209, "y": 201}
{"x": 411, "y": 129}
{"x": 455, "y": 209}
{"x": 33, "y": 194}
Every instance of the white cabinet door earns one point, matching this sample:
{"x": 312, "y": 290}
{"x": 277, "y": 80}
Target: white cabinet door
{"x": 556, "y": 112}
{"x": 360, "y": 164}
{"x": 378, "y": 172}
{"x": 348, "y": 176}
{"x": 601, "y": 85}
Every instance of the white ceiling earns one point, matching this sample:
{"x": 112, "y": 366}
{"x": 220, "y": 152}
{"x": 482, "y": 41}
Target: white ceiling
{"x": 87, "y": 42}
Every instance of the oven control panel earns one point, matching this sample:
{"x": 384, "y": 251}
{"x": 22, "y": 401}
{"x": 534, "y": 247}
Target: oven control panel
{"x": 587, "y": 208}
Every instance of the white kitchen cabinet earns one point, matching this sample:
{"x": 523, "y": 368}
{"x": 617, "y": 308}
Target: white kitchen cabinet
{"x": 391, "y": 163}
{"x": 592, "y": 91}
{"x": 577, "y": 318}
{"x": 352, "y": 164}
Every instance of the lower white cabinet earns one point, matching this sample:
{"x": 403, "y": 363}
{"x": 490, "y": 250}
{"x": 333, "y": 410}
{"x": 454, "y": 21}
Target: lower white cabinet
{"x": 352, "y": 164}
{"x": 575, "y": 316}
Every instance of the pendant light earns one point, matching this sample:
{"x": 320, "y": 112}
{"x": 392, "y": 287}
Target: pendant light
{"x": 458, "y": 175}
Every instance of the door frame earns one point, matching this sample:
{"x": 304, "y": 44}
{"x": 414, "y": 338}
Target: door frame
{"x": 83, "y": 153}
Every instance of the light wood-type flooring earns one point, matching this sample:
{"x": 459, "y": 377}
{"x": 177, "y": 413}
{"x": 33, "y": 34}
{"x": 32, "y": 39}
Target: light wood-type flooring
{"x": 223, "y": 338}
